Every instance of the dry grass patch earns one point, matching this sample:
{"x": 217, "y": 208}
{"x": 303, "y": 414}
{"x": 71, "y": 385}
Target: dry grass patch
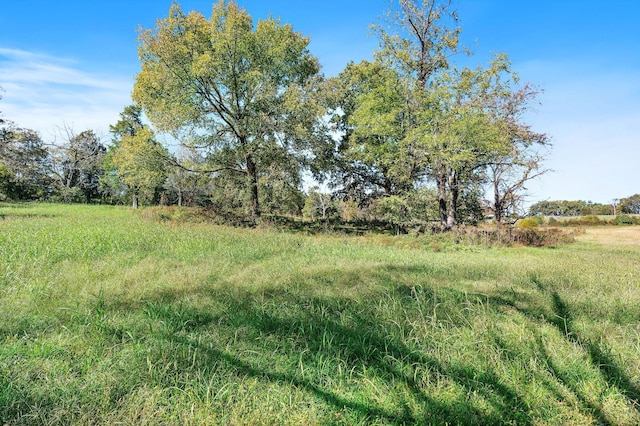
{"x": 625, "y": 236}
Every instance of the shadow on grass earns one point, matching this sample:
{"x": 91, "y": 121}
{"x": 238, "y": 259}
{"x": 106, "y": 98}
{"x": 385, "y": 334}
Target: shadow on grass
{"x": 561, "y": 318}
{"x": 310, "y": 332}
{"x": 613, "y": 374}
{"x": 321, "y": 226}
{"x": 285, "y": 338}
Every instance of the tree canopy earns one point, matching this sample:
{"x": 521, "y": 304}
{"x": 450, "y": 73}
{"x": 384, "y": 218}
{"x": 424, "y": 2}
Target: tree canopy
{"x": 409, "y": 136}
{"x": 237, "y": 89}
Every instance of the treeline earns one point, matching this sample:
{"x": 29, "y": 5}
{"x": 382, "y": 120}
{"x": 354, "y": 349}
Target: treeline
{"x": 408, "y": 137}
{"x": 628, "y": 205}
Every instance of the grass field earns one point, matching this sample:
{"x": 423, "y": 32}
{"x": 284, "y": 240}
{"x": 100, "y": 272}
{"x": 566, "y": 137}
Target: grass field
{"x": 110, "y": 318}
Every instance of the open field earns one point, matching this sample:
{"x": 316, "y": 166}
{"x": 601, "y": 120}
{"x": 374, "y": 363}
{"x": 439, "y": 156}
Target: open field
{"x": 612, "y": 236}
{"x": 108, "y": 318}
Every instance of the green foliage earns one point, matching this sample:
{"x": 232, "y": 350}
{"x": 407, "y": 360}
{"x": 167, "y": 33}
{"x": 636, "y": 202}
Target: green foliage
{"x": 412, "y": 115}
{"x": 394, "y": 210}
{"x": 79, "y": 167}
{"x": 24, "y": 164}
{"x": 469, "y": 211}
{"x": 623, "y": 219}
{"x": 241, "y": 91}
{"x": 374, "y": 156}
{"x": 136, "y": 162}
{"x": 630, "y": 205}
{"x": 569, "y": 208}
{"x": 139, "y": 161}
{"x": 528, "y": 223}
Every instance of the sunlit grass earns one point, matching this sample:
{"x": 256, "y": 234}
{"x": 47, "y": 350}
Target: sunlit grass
{"x": 106, "y": 317}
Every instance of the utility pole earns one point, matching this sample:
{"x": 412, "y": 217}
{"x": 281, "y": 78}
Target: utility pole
{"x": 615, "y": 203}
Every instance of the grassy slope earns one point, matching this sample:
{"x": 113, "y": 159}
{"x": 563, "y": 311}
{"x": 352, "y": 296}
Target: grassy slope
{"x": 107, "y": 318}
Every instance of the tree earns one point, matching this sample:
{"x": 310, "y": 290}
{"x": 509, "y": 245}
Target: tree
{"x": 243, "y": 91}
{"x": 455, "y": 122}
{"x": 440, "y": 125}
{"x": 183, "y": 184}
{"x": 427, "y": 36}
{"x": 630, "y": 205}
{"x": 24, "y": 164}
{"x": 511, "y": 170}
{"x": 568, "y": 208}
{"x": 138, "y": 160}
{"x": 280, "y": 192}
{"x": 316, "y": 203}
{"x": 80, "y": 166}
{"x": 380, "y": 105}
{"x": 373, "y": 158}
{"x": 457, "y": 134}
{"x": 395, "y": 211}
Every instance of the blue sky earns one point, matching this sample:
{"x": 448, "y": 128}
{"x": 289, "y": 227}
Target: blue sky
{"x": 72, "y": 64}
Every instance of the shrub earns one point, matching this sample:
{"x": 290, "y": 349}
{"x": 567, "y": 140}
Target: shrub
{"x": 528, "y": 223}
{"x": 586, "y": 221}
{"x": 513, "y": 236}
{"x": 624, "y": 219}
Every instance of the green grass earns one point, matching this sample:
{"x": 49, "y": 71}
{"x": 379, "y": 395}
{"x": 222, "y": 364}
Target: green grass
{"x": 108, "y": 318}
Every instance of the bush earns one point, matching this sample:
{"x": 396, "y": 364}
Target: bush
{"x": 513, "y": 236}
{"x": 528, "y": 223}
{"x": 586, "y": 221}
{"x": 624, "y": 219}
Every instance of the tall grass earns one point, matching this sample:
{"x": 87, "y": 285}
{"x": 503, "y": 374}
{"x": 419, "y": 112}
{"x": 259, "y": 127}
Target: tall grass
{"x": 108, "y": 318}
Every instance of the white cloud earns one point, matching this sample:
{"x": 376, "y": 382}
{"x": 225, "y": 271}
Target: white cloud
{"x": 46, "y": 93}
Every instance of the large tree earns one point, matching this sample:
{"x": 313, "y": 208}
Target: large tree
{"x": 24, "y": 162}
{"x": 374, "y": 157}
{"x": 428, "y": 119}
{"x": 421, "y": 113}
{"x": 240, "y": 90}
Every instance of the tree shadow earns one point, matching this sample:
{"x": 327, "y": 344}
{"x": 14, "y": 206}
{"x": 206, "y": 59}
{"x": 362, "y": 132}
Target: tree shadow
{"x": 329, "y": 226}
{"x": 303, "y": 324}
{"x": 560, "y": 317}
{"x": 612, "y": 373}
{"x": 361, "y": 344}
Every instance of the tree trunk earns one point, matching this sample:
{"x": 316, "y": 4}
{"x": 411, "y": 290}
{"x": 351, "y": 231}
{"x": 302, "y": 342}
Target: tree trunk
{"x": 497, "y": 204}
{"x": 135, "y": 201}
{"x": 454, "y": 192}
{"x": 441, "y": 184}
{"x": 252, "y": 175}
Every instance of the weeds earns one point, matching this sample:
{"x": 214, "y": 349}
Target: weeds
{"x": 126, "y": 320}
